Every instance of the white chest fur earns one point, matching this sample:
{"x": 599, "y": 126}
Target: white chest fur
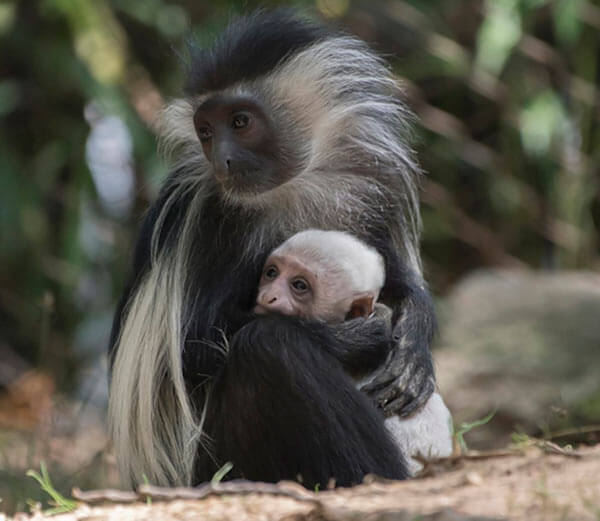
{"x": 428, "y": 432}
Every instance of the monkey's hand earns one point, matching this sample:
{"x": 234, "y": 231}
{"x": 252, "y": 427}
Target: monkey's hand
{"x": 385, "y": 313}
{"x": 406, "y": 379}
{"x": 362, "y": 344}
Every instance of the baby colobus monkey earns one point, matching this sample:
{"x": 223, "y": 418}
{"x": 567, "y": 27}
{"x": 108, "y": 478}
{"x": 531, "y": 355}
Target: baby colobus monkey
{"x": 332, "y": 276}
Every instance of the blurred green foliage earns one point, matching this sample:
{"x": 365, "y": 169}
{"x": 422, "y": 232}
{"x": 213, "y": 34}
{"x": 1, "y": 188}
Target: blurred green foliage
{"x": 506, "y": 91}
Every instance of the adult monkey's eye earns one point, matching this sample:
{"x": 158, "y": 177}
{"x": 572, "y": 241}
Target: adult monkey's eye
{"x": 271, "y": 272}
{"x": 300, "y": 285}
{"x": 204, "y": 134}
{"x": 240, "y": 120}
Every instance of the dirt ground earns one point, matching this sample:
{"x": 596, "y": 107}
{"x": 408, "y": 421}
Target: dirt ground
{"x": 540, "y": 482}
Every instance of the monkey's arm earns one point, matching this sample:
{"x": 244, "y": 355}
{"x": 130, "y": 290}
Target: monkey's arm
{"x": 406, "y": 380}
{"x": 362, "y": 344}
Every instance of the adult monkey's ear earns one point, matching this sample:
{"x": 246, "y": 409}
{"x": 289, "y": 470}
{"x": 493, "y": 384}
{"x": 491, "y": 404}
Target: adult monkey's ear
{"x": 362, "y": 306}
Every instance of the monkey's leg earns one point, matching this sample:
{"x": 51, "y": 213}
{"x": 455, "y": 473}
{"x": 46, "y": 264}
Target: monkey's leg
{"x": 287, "y": 410}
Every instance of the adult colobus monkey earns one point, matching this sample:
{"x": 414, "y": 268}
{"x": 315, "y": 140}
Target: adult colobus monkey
{"x": 286, "y": 126}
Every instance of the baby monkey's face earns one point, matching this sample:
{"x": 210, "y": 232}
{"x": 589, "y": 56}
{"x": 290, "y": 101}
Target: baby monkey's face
{"x": 295, "y": 285}
{"x": 287, "y": 286}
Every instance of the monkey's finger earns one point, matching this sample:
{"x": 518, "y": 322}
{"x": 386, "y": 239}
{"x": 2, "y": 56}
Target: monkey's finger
{"x": 379, "y": 387}
{"x": 398, "y": 405}
{"x": 383, "y": 312}
{"x": 383, "y": 390}
{"x": 387, "y": 393}
{"x": 390, "y": 382}
{"x": 393, "y": 398}
{"x": 413, "y": 401}
{"x": 410, "y": 387}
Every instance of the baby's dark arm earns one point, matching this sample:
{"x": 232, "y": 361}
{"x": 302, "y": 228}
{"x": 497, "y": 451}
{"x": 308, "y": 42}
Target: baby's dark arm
{"x": 363, "y": 343}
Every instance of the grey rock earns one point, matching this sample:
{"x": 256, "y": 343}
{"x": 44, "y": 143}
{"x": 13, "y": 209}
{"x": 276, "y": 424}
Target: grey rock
{"x": 524, "y": 343}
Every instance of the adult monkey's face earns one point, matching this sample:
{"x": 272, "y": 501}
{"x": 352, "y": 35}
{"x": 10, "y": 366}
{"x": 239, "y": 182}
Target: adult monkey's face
{"x": 239, "y": 141}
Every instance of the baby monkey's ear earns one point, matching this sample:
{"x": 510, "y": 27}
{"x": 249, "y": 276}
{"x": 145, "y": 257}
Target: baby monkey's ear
{"x": 362, "y": 306}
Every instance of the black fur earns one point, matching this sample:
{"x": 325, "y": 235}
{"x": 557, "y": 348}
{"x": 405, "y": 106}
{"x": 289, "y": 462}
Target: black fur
{"x": 326, "y": 428}
{"x": 287, "y": 410}
{"x": 250, "y": 47}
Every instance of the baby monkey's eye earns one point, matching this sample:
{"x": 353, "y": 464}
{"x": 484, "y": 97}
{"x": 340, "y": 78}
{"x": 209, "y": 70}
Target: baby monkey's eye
{"x": 300, "y": 285}
{"x": 271, "y": 272}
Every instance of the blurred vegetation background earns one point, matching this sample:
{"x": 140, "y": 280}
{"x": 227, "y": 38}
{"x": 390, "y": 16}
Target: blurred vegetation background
{"x": 508, "y": 104}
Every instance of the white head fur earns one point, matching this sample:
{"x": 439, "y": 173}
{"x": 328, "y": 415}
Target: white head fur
{"x": 339, "y": 256}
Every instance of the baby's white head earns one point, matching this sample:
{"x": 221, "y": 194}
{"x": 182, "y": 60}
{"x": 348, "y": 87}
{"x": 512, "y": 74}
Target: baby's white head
{"x": 326, "y": 275}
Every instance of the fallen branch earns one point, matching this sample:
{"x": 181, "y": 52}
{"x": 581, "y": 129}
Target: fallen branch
{"x": 237, "y": 487}
{"x": 586, "y": 429}
{"x": 553, "y": 448}
{"x": 105, "y": 496}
